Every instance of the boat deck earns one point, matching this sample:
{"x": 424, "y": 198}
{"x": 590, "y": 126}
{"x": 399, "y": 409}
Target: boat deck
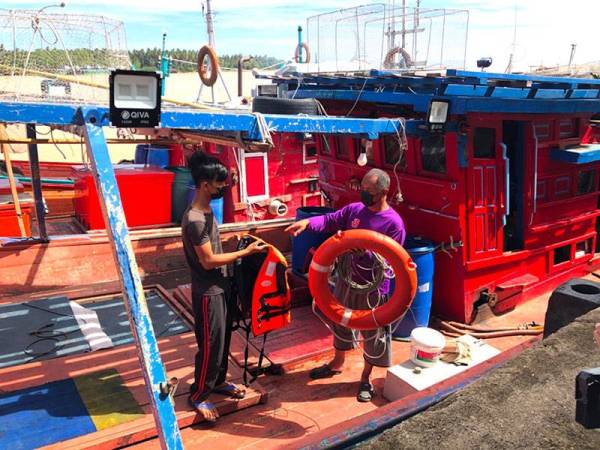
{"x": 289, "y": 410}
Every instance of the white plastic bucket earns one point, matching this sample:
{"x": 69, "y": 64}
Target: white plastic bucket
{"x": 426, "y": 346}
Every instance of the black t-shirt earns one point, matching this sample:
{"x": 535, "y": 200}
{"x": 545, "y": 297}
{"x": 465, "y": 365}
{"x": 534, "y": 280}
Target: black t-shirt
{"x": 198, "y": 228}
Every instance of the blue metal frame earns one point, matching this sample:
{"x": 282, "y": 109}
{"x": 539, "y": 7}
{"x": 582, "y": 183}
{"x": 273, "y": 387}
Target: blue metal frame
{"x": 245, "y": 123}
{"x": 133, "y": 293}
{"x": 469, "y": 91}
{"x": 93, "y": 119}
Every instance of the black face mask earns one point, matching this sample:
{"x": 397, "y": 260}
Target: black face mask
{"x": 219, "y": 194}
{"x": 367, "y": 198}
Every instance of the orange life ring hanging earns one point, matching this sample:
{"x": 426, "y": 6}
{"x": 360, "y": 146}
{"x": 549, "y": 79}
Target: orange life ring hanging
{"x": 388, "y": 62}
{"x": 205, "y": 52}
{"x": 404, "y": 270}
{"x": 303, "y": 45}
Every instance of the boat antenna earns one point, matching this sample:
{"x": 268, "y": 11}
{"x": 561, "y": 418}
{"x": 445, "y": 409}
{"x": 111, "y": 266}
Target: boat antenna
{"x": 509, "y": 67}
{"x": 572, "y": 56}
{"x": 209, "y": 24}
{"x": 210, "y": 30}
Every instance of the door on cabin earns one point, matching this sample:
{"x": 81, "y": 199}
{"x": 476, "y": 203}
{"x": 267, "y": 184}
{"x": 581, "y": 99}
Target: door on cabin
{"x": 513, "y": 145}
{"x": 485, "y": 190}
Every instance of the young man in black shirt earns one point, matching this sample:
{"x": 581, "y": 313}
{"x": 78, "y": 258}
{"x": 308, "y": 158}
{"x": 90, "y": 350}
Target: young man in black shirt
{"x": 208, "y": 264}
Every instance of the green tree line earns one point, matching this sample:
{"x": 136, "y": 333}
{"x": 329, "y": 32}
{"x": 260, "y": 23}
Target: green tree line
{"x": 149, "y": 59}
{"x": 84, "y": 59}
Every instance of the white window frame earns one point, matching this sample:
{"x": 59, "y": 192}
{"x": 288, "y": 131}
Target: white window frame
{"x": 243, "y": 186}
{"x": 306, "y": 159}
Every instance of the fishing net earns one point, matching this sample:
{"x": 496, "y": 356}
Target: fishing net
{"x": 58, "y": 57}
{"x": 364, "y": 37}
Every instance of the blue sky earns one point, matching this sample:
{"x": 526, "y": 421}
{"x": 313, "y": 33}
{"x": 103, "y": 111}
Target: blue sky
{"x": 546, "y": 28}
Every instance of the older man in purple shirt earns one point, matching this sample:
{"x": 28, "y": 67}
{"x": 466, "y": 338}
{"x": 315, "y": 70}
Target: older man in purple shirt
{"x": 372, "y": 213}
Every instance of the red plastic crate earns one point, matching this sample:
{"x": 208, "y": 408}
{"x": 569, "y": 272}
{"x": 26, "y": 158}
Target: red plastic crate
{"x": 145, "y": 194}
{"x": 9, "y": 225}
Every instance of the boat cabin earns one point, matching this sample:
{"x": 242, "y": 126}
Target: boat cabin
{"x": 506, "y": 184}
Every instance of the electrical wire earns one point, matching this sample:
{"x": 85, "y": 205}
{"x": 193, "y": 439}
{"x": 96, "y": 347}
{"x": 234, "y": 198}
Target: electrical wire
{"x": 358, "y": 97}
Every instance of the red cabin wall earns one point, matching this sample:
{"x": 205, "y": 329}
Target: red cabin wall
{"x": 437, "y": 207}
{"x": 289, "y": 175}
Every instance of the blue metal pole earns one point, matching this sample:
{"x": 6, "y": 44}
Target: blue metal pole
{"x": 133, "y": 292}
{"x": 300, "y": 44}
{"x": 164, "y": 65}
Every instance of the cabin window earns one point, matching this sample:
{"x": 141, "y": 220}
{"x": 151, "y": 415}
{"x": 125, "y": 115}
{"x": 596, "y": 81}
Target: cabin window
{"x": 543, "y": 131}
{"x": 342, "y": 147}
{"x": 568, "y": 128}
{"x": 484, "y": 143}
{"x": 391, "y": 150}
{"x": 433, "y": 153}
{"x": 562, "y": 254}
{"x": 583, "y": 248}
{"x": 562, "y": 186}
{"x": 309, "y": 152}
{"x": 365, "y": 146}
{"x": 540, "y": 193}
{"x": 585, "y": 182}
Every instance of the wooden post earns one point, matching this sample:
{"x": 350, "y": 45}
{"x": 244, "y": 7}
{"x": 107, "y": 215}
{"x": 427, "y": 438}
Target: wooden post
{"x": 36, "y": 183}
{"x": 11, "y": 180}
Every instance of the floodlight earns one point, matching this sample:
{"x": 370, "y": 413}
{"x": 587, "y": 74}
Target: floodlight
{"x": 437, "y": 116}
{"x": 135, "y": 98}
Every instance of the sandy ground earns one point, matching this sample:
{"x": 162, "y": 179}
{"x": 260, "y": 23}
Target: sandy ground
{"x": 180, "y": 86}
{"x": 529, "y": 403}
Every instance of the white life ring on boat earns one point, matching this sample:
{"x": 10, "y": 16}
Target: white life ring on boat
{"x": 304, "y": 46}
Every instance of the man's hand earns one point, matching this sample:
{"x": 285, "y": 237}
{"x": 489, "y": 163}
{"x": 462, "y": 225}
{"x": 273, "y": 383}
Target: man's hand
{"x": 256, "y": 247}
{"x": 297, "y": 227}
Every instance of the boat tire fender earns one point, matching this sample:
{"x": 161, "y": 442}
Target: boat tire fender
{"x": 291, "y": 106}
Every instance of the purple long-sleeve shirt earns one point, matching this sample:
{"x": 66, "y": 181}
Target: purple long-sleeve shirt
{"x": 357, "y": 215}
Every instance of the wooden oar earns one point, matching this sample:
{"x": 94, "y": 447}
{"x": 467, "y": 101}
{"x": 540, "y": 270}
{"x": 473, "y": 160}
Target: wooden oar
{"x": 11, "y": 180}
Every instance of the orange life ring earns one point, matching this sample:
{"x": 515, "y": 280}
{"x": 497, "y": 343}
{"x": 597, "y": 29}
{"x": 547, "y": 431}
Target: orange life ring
{"x": 388, "y": 63}
{"x": 303, "y": 45}
{"x": 396, "y": 256}
{"x": 214, "y": 65}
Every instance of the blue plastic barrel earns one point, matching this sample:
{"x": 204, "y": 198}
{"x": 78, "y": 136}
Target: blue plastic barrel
{"x": 141, "y": 153}
{"x": 216, "y": 205}
{"x": 153, "y": 156}
{"x": 158, "y": 156}
{"x": 302, "y": 243}
{"x": 421, "y": 252}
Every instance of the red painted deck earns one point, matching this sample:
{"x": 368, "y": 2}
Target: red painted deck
{"x": 177, "y": 353}
{"x": 288, "y": 411}
{"x": 301, "y": 412}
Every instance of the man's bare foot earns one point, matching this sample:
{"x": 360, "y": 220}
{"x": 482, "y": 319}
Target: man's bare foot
{"x": 230, "y": 390}
{"x": 207, "y": 410}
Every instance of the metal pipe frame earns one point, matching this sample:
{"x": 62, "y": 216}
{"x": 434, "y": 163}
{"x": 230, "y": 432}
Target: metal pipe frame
{"x": 245, "y": 123}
